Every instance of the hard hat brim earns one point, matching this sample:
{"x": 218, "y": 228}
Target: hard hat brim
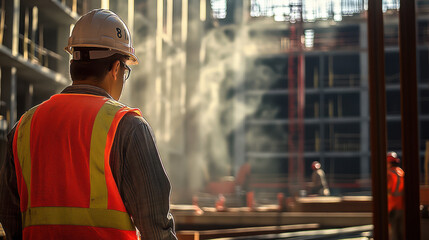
{"x": 133, "y": 60}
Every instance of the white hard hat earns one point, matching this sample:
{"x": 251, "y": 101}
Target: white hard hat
{"x": 392, "y": 157}
{"x": 101, "y": 28}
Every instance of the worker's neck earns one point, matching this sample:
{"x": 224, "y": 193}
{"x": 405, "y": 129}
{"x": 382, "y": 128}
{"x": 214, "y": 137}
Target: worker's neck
{"x": 93, "y": 82}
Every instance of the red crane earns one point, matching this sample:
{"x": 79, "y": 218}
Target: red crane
{"x": 296, "y": 90}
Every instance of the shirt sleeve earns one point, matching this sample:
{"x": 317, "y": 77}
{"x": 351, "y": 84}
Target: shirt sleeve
{"x": 142, "y": 180}
{"x": 10, "y": 214}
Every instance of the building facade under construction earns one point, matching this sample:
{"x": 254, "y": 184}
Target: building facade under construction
{"x": 276, "y": 84}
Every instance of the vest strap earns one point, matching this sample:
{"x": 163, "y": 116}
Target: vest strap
{"x": 23, "y": 150}
{"x": 98, "y": 154}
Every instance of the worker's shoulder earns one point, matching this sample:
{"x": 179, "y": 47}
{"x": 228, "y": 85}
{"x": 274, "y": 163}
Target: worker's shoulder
{"x": 133, "y": 122}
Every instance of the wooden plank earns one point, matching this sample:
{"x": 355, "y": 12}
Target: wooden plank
{"x": 240, "y": 232}
{"x": 189, "y": 220}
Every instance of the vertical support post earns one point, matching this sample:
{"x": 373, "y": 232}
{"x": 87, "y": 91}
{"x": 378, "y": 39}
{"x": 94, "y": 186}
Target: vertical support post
{"x": 292, "y": 171}
{"x": 34, "y": 27}
{"x": 193, "y": 153}
{"x": 181, "y": 179}
{"x": 184, "y": 23}
{"x": 2, "y": 20}
{"x": 240, "y": 15}
{"x": 41, "y": 45}
{"x": 26, "y": 29}
{"x": 8, "y": 74}
{"x": 331, "y": 70}
{"x": 13, "y": 97}
{"x": 63, "y": 34}
{"x": 105, "y": 4}
{"x": 300, "y": 98}
{"x": 159, "y": 28}
{"x": 8, "y": 94}
{"x": 130, "y": 22}
{"x": 169, "y": 21}
{"x": 15, "y": 28}
{"x": 74, "y": 6}
{"x": 125, "y": 9}
{"x": 29, "y": 96}
{"x": 84, "y": 7}
{"x": 409, "y": 117}
{"x": 364, "y": 104}
{"x": 377, "y": 96}
{"x": 322, "y": 126}
{"x": 159, "y": 56}
{"x": 203, "y": 10}
{"x": 11, "y": 101}
{"x": 427, "y": 163}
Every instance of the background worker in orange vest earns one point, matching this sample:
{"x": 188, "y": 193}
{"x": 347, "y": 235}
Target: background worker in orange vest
{"x": 82, "y": 165}
{"x": 395, "y": 190}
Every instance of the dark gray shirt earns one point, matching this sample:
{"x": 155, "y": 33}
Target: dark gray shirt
{"x": 136, "y": 167}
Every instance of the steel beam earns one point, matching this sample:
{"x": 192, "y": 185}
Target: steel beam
{"x": 377, "y": 97}
{"x": 409, "y": 116}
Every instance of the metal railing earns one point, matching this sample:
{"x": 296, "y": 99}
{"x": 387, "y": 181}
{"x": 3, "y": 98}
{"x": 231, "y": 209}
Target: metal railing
{"x": 342, "y": 80}
{"x": 38, "y": 54}
{"x": 343, "y": 142}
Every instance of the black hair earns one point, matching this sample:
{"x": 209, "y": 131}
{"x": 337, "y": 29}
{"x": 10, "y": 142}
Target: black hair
{"x": 96, "y": 68}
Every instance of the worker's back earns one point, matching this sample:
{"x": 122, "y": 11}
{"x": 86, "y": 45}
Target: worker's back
{"x": 62, "y": 150}
{"x": 395, "y": 188}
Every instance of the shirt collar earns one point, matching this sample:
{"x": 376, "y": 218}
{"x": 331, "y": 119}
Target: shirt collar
{"x": 86, "y": 89}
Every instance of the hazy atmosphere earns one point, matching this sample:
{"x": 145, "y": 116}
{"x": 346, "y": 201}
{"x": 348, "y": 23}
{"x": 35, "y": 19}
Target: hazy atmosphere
{"x": 249, "y": 101}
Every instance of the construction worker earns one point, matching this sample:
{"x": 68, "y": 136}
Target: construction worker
{"x": 81, "y": 165}
{"x": 242, "y": 181}
{"x": 395, "y": 191}
{"x": 319, "y": 185}
{"x": 243, "y": 177}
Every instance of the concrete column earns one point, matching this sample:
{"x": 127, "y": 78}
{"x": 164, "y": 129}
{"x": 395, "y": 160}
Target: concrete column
{"x": 120, "y": 8}
{"x": 179, "y": 161}
{"x": 193, "y": 153}
{"x": 364, "y": 104}
{"x": 321, "y": 108}
{"x": 63, "y": 66}
{"x": 242, "y": 9}
{"x": 29, "y": 96}
{"x": 9, "y": 74}
{"x": 127, "y": 15}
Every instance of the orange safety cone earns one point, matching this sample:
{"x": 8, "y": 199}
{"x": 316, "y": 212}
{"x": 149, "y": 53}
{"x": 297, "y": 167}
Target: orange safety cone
{"x": 281, "y": 201}
{"x": 197, "y": 208}
{"x": 220, "y": 203}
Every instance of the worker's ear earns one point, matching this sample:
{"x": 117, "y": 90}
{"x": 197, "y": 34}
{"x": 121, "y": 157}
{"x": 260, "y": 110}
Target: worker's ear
{"x": 115, "y": 69}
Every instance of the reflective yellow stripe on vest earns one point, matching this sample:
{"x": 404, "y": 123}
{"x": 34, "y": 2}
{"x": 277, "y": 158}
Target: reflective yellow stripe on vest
{"x": 23, "y": 148}
{"x": 97, "y": 215}
{"x": 101, "y": 127}
{"x": 93, "y": 217}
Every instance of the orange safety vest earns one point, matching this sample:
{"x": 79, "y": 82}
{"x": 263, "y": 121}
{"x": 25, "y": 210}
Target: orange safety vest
{"x": 61, "y": 150}
{"x": 395, "y": 188}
